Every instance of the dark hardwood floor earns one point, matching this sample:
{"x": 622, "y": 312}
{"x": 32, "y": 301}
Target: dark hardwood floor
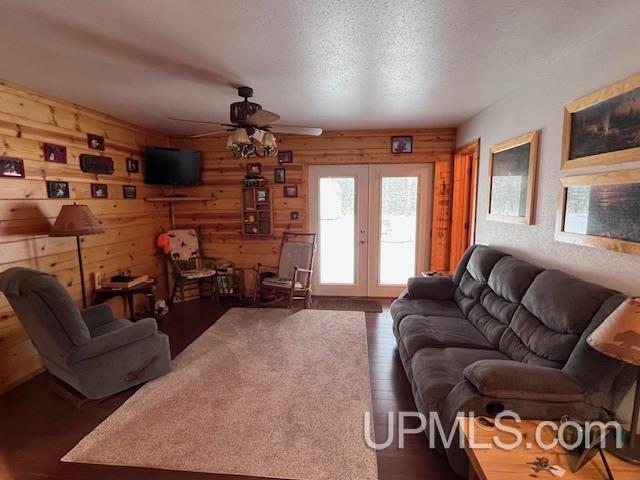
{"x": 37, "y": 427}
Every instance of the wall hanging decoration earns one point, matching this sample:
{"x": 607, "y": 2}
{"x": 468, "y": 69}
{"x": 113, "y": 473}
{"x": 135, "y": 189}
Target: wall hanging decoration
{"x": 254, "y": 168}
{"x": 95, "y": 142}
{"x": 55, "y": 153}
{"x": 96, "y": 164}
{"x": 57, "y": 189}
{"x": 11, "y": 167}
{"x": 99, "y": 190}
{"x": 402, "y": 144}
{"x": 290, "y": 191}
{"x": 133, "y": 165}
{"x": 513, "y": 166}
{"x": 603, "y": 127}
{"x": 601, "y": 210}
{"x": 280, "y": 175}
{"x": 285, "y": 157}
{"x": 129, "y": 191}
{"x": 294, "y": 215}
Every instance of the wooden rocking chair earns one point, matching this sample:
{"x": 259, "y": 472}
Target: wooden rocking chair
{"x": 294, "y": 270}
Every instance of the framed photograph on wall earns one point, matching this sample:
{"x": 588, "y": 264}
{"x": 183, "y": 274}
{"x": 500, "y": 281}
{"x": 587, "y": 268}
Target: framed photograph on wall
{"x": 99, "y": 190}
{"x": 57, "y": 189}
{"x": 95, "y": 142}
{"x": 11, "y": 167}
{"x": 280, "y": 175}
{"x": 129, "y": 191}
{"x": 133, "y": 165}
{"x": 55, "y": 153}
{"x": 603, "y": 127}
{"x": 402, "y": 144}
{"x": 601, "y": 210}
{"x": 254, "y": 168}
{"x": 285, "y": 157}
{"x": 513, "y": 166}
{"x": 290, "y": 191}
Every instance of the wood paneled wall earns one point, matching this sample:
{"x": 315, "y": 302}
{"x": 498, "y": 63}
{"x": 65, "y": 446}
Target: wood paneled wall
{"x": 220, "y": 220}
{"x": 27, "y": 120}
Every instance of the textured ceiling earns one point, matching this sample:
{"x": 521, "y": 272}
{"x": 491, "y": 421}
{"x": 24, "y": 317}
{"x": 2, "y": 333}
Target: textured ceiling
{"x": 334, "y": 64}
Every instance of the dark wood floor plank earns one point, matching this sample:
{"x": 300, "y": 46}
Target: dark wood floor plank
{"x": 37, "y": 427}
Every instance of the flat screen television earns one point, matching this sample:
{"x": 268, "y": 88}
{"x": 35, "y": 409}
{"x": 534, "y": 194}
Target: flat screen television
{"x": 172, "y": 166}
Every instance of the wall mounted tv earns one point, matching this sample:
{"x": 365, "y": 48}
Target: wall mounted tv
{"x": 172, "y": 166}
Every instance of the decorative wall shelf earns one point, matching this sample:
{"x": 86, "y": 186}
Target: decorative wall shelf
{"x": 172, "y": 200}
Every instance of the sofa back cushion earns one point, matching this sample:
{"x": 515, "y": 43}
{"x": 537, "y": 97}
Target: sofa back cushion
{"x": 508, "y": 282}
{"x": 472, "y": 281}
{"x": 553, "y": 314}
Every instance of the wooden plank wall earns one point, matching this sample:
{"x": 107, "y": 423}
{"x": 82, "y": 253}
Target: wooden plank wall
{"x": 27, "y": 120}
{"x": 220, "y": 220}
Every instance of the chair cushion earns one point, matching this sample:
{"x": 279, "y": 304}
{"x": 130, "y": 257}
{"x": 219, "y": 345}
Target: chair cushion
{"x": 199, "y": 273}
{"x": 109, "y": 327}
{"x": 183, "y": 244}
{"x": 437, "y": 370}
{"x": 418, "y": 332}
{"x": 276, "y": 282}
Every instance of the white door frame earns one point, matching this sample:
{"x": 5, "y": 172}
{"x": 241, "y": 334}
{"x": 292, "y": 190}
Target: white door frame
{"x": 361, "y": 175}
{"x": 367, "y": 223}
{"x": 424, "y": 172}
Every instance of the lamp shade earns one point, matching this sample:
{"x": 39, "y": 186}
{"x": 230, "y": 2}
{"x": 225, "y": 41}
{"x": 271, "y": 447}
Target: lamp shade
{"x": 74, "y": 220}
{"x": 619, "y": 335}
{"x": 269, "y": 140}
{"x": 242, "y": 137}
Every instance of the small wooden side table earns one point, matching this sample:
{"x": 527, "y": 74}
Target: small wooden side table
{"x": 497, "y": 464}
{"x": 147, "y": 288}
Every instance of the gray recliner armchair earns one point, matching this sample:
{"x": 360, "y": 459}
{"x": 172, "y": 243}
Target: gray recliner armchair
{"x": 93, "y": 351}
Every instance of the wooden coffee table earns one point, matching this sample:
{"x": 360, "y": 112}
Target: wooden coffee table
{"x": 497, "y": 464}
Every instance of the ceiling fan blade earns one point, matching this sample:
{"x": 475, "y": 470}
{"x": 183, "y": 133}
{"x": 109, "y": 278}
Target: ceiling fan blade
{"x": 200, "y": 121}
{"x": 262, "y": 118}
{"x": 296, "y": 130}
{"x": 207, "y": 134}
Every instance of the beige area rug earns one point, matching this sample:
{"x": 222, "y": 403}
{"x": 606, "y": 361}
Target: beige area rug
{"x": 263, "y": 392}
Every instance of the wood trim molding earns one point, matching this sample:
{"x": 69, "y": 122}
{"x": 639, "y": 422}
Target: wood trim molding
{"x": 608, "y": 158}
{"x": 607, "y": 178}
{"x": 534, "y": 139}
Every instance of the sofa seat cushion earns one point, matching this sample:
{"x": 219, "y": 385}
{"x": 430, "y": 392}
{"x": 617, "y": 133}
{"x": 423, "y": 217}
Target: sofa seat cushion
{"x": 417, "y": 332}
{"x": 403, "y": 307}
{"x": 109, "y": 327}
{"x": 437, "y": 370}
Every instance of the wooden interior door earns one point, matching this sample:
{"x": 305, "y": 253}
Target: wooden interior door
{"x": 463, "y": 204}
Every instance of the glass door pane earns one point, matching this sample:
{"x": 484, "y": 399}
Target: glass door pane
{"x": 337, "y": 230}
{"x": 398, "y": 229}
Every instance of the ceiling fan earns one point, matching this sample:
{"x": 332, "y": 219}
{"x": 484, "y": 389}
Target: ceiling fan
{"x": 251, "y": 128}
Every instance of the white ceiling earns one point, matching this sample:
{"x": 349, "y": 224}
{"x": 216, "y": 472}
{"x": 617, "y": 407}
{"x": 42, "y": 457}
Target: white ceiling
{"x": 334, "y": 64}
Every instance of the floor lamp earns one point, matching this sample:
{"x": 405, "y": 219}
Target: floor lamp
{"x": 75, "y": 221}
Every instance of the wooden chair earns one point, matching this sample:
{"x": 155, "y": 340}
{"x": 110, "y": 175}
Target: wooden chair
{"x": 294, "y": 270}
{"x": 189, "y": 267}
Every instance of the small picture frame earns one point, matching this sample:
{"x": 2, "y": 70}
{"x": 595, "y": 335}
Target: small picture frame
{"x": 57, "y": 189}
{"x": 285, "y": 157}
{"x": 133, "y": 165}
{"x": 294, "y": 215}
{"x": 280, "y": 175}
{"x": 99, "y": 190}
{"x": 402, "y": 144}
{"x": 129, "y": 191}
{"x": 262, "y": 195}
{"x": 55, "y": 153}
{"x": 254, "y": 168}
{"x": 11, "y": 167}
{"x": 95, "y": 142}
{"x": 290, "y": 191}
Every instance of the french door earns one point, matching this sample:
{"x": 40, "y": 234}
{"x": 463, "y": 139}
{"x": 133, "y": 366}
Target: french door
{"x": 373, "y": 224}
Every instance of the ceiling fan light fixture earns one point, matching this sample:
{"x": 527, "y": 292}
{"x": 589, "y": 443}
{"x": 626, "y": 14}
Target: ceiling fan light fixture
{"x": 230, "y": 142}
{"x": 242, "y": 137}
{"x": 268, "y": 140}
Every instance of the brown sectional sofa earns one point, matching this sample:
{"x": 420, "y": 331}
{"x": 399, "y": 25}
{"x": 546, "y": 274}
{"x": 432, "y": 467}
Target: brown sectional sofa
{"x": 502, "y": 334}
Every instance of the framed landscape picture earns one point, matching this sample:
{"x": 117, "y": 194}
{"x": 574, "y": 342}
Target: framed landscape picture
{"x": 601, "y": 210}
{"x": 513, "y": 167}
{"x": 603, "y": 127}
{"x": 129, "y": 191}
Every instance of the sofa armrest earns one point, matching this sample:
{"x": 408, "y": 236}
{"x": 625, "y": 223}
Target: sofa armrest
{"x": 517, "y": 380}
{"x": 433, "y": 288}
{"x": 113, "y": 340}
{"x": 97, "y": 315}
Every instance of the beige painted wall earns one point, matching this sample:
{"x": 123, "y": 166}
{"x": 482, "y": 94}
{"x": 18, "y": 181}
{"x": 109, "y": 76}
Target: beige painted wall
{"x": 610, "y": 55}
